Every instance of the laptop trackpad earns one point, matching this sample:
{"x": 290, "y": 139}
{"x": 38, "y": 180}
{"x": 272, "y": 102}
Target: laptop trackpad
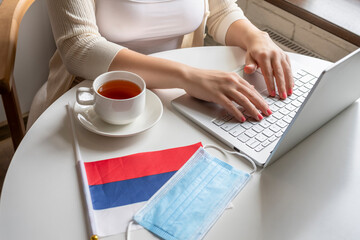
{"x": 255, "y": 79}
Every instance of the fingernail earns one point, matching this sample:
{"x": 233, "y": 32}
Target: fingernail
{"x": 243, "y": 119}
{"x": 260, "y": 117}
{"x": 290, "y": 92}
{"x": 284, "y": 95}
{"x": 269, "y": 111}
{"x": 273, "y": 93}
{"x": 249, "y": 68}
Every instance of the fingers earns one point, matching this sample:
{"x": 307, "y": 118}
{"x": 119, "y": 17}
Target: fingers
{"x": 242, "y": 101}
{"x": 276, "y": 68}
{"x": 276, "y": 65}
{"x": 280, "y": 79}
{"x": 229, "y": 90}
{"x": 245, "y": 95}
{"x": 251, "y": 110}
{"x": 254, "y": 101}
{"x": 289, "y": 80}
{"x": 250, "y": 64}
{"x": 267, "y": 72}
{"x": 231, "y": 108}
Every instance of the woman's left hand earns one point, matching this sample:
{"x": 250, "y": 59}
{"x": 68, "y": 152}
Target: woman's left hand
{"x": 262, "y": 52}
{"x": 274, "y": 63}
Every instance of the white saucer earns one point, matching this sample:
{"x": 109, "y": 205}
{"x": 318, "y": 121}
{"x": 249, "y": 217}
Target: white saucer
{"x": 151, "y": 115}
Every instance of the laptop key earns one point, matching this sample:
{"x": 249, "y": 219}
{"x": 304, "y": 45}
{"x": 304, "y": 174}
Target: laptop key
{"x": 259, "y": 148}
{"x": 292, "y": 97}
{"x": 301, "y": 72}
{"x": 274, "y": 108}
{"x": 278, "y": 134}
{"x": 298, "y": 83}
{"x": 250, "y": 133}
{"x": 218, "y": 122}
{"x": 258, "y": 128}
{"x": 306, "y": 78}
{"x": 275, "y": 128}
{"x": 227, "y": 117}
{"x": 237, "y": 131}
{"x": 287, "y": 119}
{"x": 278, "y": 115}
{"x": 313, "y": 81}
{"x": 284, "y": 111}
{"x": 252, "y": 143}
{"x": 309, "y": 85}
{"x": 297, "y": 92}
{"x": 261, "y": 137}
{"x": 243, "y": 137}
{"x": 265, "y": 123}
{"x": 272, "y": 138}
{"x": 296, "y": 103}
{"x": 246, "y": 125}
{"x": 266, "y": 143}
{"x": 301, "y": 99}
{"x": 268, "y": 132}
{"x": 280, "y": 104}
{"x": 271, "y": 119}
{"x": 269, "y": 100}
{"x": 297, "y": 75}
{"x": 229, "y": 125}
{"x": 287, "y": 101}
{"x": 304, "y": 89}
{"x": 290, "y": 107}
{"x": 282, "y": 124}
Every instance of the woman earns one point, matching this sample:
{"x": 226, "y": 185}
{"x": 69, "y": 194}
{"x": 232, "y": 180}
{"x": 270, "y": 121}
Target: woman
{"x": 94, "y": 37}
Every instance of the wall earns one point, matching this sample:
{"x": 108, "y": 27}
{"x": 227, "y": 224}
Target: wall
{"x": 264, "y": 14}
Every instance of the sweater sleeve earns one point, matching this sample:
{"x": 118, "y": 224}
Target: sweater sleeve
{"x": 222, "y": 14}
{"x": 84, "y": 52}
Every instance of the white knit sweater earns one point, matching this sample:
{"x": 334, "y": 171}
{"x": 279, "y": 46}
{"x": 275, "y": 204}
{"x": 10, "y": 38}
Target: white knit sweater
{"x": 83, "y": 52}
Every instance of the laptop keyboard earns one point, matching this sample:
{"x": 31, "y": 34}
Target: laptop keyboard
{"x": 259, "y": 134}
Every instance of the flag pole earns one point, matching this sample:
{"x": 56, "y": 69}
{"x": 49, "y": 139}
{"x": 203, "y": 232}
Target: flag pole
{"x": 82, "y": 173}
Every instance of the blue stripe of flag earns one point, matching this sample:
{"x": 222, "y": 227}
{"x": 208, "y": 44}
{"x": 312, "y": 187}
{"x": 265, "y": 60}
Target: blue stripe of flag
{"x": 126, "y": 192}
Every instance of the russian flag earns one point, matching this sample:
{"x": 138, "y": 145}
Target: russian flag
{"x": 119, "y": 187}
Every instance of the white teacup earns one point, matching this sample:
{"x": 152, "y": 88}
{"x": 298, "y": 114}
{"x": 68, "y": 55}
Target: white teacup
{"x": 121, "y": 106}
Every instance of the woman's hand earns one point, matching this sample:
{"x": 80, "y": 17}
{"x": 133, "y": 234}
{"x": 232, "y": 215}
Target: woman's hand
{"x": 224, "y": 88}
{"x": 219, "y": 87}
{"x": 262, "y": 52}
{"x": 274, "y": 63}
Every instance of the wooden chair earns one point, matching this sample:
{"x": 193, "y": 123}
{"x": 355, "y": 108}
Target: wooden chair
{"x": 11, "y": 14}
{"x": 30, "y": 63}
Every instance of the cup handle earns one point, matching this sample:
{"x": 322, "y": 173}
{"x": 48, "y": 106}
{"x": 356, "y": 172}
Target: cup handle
{"x": 81, "y": 90}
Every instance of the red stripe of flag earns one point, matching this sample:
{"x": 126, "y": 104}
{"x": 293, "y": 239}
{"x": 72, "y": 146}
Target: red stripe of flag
{"x": 138, "y": 165}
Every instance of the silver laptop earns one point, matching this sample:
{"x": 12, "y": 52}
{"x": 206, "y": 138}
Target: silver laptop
{"x": 315, "y": 100}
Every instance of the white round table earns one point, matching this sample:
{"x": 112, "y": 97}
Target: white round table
{"x": 312, "y": 192}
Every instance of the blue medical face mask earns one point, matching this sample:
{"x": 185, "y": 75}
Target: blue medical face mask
{"x": 193, "y": 199}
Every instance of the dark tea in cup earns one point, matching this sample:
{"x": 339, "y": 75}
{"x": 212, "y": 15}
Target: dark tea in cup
{"x": 118, "y": 97}
{"x": 119, "y": 89}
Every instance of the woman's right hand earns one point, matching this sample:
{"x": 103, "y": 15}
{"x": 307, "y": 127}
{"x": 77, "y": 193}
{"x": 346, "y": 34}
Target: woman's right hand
{"x": 224, "y": 88}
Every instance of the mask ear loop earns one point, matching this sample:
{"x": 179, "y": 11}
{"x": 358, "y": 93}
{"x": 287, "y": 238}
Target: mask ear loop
{"x": 234, "y": 153}
{"x": 219, "y": 149}
{"x": 129, "y": 230}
